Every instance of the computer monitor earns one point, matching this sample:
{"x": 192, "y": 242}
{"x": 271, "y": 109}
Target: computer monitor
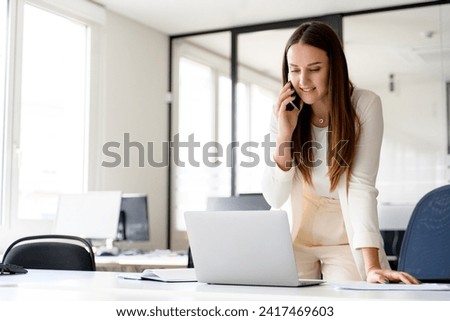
{"x": 92, "y": 215}
{"x": 242, "y": 202}
{"x": 133, "y": 221}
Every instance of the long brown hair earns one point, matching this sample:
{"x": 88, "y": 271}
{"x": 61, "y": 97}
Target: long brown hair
{"x": 344, "y": 124}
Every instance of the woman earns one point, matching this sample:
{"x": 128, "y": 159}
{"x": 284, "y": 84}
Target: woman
{"x": 327, "y": 154}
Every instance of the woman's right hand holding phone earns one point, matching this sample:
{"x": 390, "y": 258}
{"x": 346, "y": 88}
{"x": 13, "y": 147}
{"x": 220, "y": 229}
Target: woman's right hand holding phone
{"x": 287, "y": 121}
{"x": 287, "y": 115}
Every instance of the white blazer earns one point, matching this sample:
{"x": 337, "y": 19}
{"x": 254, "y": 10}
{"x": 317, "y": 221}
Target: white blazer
{"x": 359, "y": 204}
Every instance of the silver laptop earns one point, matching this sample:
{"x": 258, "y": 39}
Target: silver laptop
{"x": 243, "y": 248}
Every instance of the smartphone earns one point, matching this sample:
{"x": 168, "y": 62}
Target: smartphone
{"x": 296, "y": 103}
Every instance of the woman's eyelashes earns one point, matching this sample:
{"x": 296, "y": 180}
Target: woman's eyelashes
{"x": 309, "y": 70}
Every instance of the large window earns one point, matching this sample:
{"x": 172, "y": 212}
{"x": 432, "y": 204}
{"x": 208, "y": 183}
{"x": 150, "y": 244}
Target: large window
{"x": 202, "y": 159}
{"x": 203, "y": 132}
{"x": 194, "y": 178}
{"x": 51, "y": 149}
{"x": 45, "y": 106}
{"x": 204, "y": 152}
{"x": 201, "y": 122}
{"x": 253, "y": 117}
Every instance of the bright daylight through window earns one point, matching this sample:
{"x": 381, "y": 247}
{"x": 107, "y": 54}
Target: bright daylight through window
{"x": 205, "y": 112}
{"x": 51, "y": 153}
{"x": 196, "y": 117}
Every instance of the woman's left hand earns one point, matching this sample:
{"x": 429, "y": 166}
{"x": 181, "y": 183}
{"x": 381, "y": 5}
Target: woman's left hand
{"x": 386, "y": 276}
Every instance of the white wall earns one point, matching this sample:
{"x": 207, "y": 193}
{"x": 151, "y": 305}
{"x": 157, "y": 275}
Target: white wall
{"x": 135, "y": 83}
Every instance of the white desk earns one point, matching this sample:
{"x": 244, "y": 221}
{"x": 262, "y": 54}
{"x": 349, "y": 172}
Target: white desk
{"x": 50, "y": 286}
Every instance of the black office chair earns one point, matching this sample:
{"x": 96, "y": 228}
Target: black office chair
{"x": 53, "y": 252}
{"x": 242, "y": 202}
{"x": 425, "y": 251}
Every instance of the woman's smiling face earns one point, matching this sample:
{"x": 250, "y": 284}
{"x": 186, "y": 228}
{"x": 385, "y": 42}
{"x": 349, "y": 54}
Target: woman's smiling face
{"x": 309, "y": 72}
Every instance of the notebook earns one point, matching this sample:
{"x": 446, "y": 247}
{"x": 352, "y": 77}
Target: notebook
{"x": 243, "y": 248}
{"x": 169, "y": 275}
{"x": 163, "y": 275}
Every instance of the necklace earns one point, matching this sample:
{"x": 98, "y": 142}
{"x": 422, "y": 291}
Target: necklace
{"x": 320, "y": 120}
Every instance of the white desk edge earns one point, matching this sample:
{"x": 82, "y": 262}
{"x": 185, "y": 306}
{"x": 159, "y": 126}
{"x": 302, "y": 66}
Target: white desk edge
{"x": 108, "y": 286}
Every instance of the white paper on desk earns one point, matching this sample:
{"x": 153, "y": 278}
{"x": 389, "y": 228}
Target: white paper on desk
{"x": 363, "y": 286}
{"x": 164, "y": 275}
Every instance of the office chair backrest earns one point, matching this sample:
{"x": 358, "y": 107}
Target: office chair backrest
{"x": 53, "y": 252}
{"x": 425, "y": 251}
